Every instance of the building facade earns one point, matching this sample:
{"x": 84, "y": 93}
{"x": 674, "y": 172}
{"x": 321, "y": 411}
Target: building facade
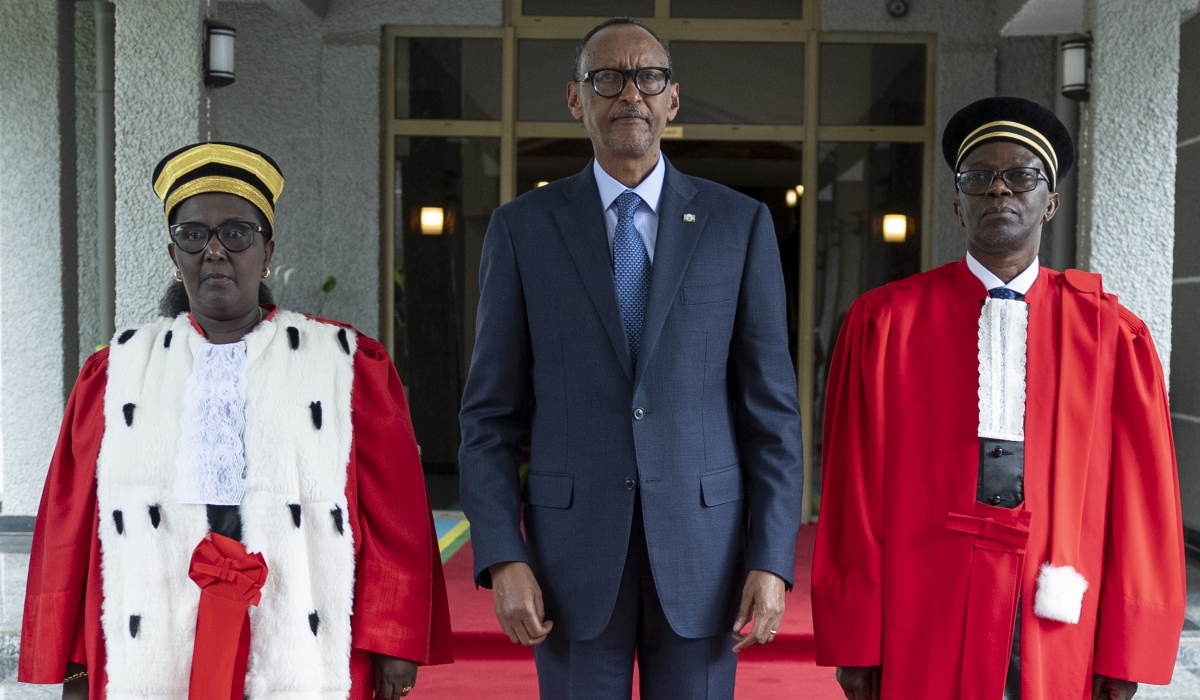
{"x": 399, "y": 126}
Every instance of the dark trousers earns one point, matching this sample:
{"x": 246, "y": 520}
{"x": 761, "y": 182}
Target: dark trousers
{"x": 670, "y": 667}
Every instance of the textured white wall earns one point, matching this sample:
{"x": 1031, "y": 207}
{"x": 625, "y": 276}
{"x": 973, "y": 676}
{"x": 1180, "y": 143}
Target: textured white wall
{"x": 158, "y": 106}
{"x": 31, "y": 255}
{"x": 1127, "y": 175}
{"x": 308, "y": 94}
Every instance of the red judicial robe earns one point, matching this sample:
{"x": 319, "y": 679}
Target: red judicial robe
{"x": 892, "y": 576}
{"x": 400, "y": 605}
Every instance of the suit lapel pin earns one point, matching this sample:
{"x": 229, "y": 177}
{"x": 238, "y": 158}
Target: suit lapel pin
{"x": 690, "y": 218}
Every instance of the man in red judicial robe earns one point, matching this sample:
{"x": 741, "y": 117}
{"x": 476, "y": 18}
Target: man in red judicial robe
{"x": 1000, "y": 515}
{"x": 316, "y": 564}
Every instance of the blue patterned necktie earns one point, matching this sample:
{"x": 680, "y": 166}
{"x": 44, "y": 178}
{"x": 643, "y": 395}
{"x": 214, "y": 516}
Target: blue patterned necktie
{"x": 631, "y": 271}
{"x": 1006, "y": 293}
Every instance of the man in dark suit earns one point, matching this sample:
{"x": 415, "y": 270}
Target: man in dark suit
{"x": 632, "y": 319}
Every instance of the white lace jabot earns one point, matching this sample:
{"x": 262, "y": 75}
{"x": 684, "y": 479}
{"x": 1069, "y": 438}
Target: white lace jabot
{"x": 1003, "y": 331}
{"x": 211, "y": 463}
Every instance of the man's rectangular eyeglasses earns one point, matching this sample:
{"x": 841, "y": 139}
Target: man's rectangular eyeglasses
{"x": 235, "y": 236}
{"x": 609, "y": 82}
{"x": 980, "y": 181}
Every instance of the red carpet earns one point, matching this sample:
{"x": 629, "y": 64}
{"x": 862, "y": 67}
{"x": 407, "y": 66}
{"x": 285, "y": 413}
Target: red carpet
{"x": 488, "y": 665}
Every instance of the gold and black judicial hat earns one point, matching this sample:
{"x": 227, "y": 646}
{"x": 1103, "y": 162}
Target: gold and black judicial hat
{"x": 218, "y": 166}
{"x": 1014, "y": 119}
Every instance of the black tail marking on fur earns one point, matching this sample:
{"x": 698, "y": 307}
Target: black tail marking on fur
{"x": 337, "y": 518}
{"x": 127, "y": 409}
{"x": 119, "y": 521}
{"x": 294, "y": 337}
{"x": 295, "y": 508}
{"x": 315, "y": 407}
{"x": 135, "y": 621}
{"x": 345, "y": 342}
{"x": 125, "y": 336}
{"x": 155, "y": 516}
{"x": 167, "y": 339}
{"x": 314, "y": 621}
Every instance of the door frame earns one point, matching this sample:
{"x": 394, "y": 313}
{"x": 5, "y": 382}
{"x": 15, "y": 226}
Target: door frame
{"x": 811, "y": 133}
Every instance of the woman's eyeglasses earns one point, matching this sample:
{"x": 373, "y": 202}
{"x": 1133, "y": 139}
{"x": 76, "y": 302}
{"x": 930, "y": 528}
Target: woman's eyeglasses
{"x": 235, "y": 236}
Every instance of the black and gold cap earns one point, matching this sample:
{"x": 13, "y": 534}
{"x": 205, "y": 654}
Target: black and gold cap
{"x": 219, "y": 167}
{"x": 1012, "y": 119}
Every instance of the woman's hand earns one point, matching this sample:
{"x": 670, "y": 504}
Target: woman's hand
{"x": 394, "y": 678}
{"x": 78, "y": 688}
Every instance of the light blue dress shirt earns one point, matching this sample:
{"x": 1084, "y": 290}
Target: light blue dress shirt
{"x": 645, "y": 218}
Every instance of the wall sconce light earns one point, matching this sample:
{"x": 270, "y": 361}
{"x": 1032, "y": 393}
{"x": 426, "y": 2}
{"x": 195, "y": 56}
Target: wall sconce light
{"x": 791, "y": 198}
{"x": 895, "y": 228}
{"x": 1076, "y": 62}
{"x": 799, "y": 190}
{"x": 433, "y": 221}
{"x": 218, "y": 54}
{"x": 543, "y": 183}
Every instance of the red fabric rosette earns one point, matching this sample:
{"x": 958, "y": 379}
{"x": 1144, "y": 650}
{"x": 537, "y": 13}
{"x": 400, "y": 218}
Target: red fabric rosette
{"x": 230, "y": 581}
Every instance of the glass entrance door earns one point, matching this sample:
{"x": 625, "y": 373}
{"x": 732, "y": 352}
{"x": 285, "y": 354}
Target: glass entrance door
{"x": 833, "y": 132}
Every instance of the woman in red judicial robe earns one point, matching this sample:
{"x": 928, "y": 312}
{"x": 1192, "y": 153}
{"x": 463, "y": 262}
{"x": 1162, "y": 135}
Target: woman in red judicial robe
{"x": 235, "y": 507}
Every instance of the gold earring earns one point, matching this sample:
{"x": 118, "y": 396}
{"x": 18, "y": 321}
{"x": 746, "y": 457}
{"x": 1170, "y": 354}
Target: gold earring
{"x": 266, "y": 273}
{"x": 178, "y": 277}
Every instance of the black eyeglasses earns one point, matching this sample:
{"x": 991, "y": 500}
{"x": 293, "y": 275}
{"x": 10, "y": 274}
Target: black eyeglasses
{"x": 235, "y": 236}
{"x": 980, "y": 181}
{"x": 609, "y": 82}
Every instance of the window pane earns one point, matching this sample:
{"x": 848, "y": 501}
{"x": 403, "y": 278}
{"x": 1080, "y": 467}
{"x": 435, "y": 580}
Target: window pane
{"x": 877, "y": 84}
{"x": 446, "y": 189}
{"x": 439, "y": 78}
{"x": 858, "y": 185}
{"x": 739, "y": 82}
{"x": 544, "y": 67}
{"x": 759, "y": 9}
{"x": 546, "y": 160}
{"x": 589, "y": 8}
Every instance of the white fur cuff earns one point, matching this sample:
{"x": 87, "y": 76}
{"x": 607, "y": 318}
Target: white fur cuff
{"x": 1059, "y": 593}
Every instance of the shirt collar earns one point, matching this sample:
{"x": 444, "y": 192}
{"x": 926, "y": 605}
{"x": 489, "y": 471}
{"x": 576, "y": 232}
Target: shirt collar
{"x": 1020, "y": 284}
{"x": 649, "y": 189}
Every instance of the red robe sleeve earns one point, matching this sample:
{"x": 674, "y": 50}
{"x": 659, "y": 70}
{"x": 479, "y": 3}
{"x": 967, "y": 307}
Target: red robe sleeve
{"x": 847, "y": 578}
{"x": 59, "y": 624}
{"x": 1143, "y": 594}
{"x": 400, "y": 605}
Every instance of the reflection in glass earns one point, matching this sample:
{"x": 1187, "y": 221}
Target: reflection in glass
{"x": 876, "y": 84}
{"x": 859, "y": 186}
{"x": 547, "y": 160}
{"x": 436, "y": 282}
{"x": 723, "y": 9}
{"x": 589, "y": 8}
{"x": 544, "y": 67}
{"x": 728, "y": 82}
{"x": 447, "y": 78}
{"x": 766, "y": 171}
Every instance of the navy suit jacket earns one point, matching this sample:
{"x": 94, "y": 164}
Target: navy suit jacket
{"x": 707, "y": 429}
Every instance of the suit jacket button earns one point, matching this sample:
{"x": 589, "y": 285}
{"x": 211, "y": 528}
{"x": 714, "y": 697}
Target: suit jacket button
{"x": 638, "y": 414}
{"x": 630, "y": 483}
{"x": 996, "y": 500}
